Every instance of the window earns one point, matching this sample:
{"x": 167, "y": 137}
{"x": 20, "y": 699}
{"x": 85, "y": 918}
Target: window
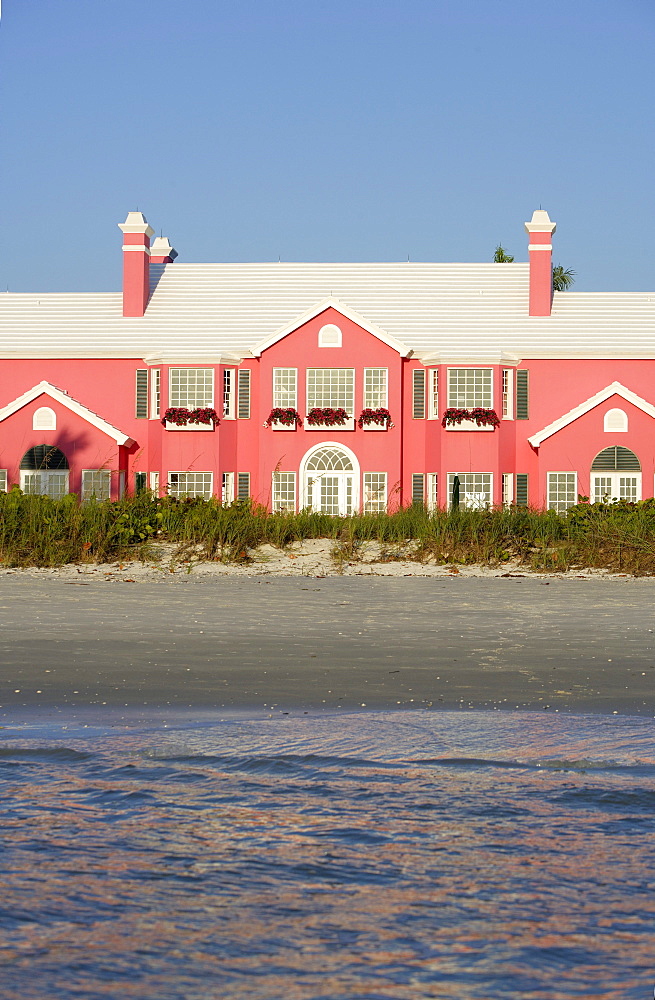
{"x": 284, "y": 491}
{"x": 285, "y": 387}
{"x": 418, "y": 394}
{"x": 44, "y": 419}
{"x": 329, "y": 336}
{"x": 562, "y": 490}
{"x": 418, "y": 488}
{"x": 155, "y": 393}
{"x": 375, "y": 388}
{"x": 140, "y": 481}
{"x": 522, "y": 384}
{"x": 243, "y": 411}
{"x": 154, "y": 482}
{"x": 433, "y": 495}
{"x": 96, "y": 484}
{"x": 615, "y": 420}
{"x": 142, "y": 394}
{"x": 227, "y": 487}
{"x": 522, "y": 489}
{"x": 375, "y": 492}
{"x": 190, "y": 484}
{"x": 508, "y": 489}
{"x": 469, "y": 388}
{"x": 192, "y": 388}
{"x": 507, "y": 393}
{"x": 243, "y": 485}
{"x": 475, "y": 488}
{"x": 3, "y": 480}
{"x": 333, "y": 387}
{"x": 433, "y": 394}
{"x": 228, "y": 393}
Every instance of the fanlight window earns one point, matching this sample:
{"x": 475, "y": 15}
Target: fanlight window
{"x": 329, "y": 336}
{"x": 616, "y": 459}
{"x": 329, "y": 460}
{"x": 43, "y": 456}
{"x": 44, "y": 419}
{"x": 615, "y": 420}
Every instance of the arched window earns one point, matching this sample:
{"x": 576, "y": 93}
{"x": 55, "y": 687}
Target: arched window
{"x": 329, "y": 336}
{"x": 329, "y": 459}
{"x": 44, "y": 419}
{"x": 616, "y": 459}
{"x": 330, "y": 479}
{"x": 615, "y": 475}
{"x": 43, "y": 456}
{"x": 44, "y": 470}
{"x": 615, "y": 420}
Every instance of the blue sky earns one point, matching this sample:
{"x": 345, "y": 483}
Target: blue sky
{"x": 314, "y": 130}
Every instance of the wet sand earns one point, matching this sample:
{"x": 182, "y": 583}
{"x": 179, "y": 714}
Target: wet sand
{"x": 301, "y": 644}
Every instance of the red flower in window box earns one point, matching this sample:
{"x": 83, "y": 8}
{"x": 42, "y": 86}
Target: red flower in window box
{"x": 328, "y": 416}
{"x": 181, "y": 416}
{"x": 285, "y": 415}
{"x": 379, "y": 416}
{"x": 480, "y": 416}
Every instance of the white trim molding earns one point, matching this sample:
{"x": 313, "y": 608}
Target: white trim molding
{"x": 614, "y": 389}
{"x": 45, "y": 388}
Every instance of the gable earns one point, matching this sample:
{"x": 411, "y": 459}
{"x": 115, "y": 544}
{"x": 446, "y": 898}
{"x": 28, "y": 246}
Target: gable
{"x": 46, "y": 389}
{"x": 614, "y": 389}
{"x": 342, "y": 310}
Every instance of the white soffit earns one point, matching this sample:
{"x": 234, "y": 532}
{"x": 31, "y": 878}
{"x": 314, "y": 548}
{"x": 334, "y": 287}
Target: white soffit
{"x": 45, "y": 388}
{"x": 615, "y": 389}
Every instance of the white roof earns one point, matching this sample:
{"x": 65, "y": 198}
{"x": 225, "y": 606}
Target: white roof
{"x": 438, "y": 311}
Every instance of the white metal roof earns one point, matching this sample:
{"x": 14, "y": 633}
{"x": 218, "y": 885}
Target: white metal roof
{"x": 437, "y": 310}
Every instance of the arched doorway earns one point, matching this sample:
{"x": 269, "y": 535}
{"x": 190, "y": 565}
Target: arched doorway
{"x": 615, "y": 475}
{"x": 44, "y": 470}
{"x": 330, "y": 479}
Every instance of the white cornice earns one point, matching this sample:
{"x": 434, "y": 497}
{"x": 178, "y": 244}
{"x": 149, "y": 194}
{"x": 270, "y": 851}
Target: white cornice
{"x": 614, "y": 389}
{"x": 45, "y": 388}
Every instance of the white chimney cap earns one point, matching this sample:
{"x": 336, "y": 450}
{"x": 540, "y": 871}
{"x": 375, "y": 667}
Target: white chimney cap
{"x": 136, "y": 222}
{"x": 161, "y": 247}
{"x": 540, "y": 222}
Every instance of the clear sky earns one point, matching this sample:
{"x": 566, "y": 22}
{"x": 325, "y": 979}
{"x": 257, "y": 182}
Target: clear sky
{"x": 325, "y": 130}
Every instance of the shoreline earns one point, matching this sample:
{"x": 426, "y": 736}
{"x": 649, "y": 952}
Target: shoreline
{"x": 275, "y": 644}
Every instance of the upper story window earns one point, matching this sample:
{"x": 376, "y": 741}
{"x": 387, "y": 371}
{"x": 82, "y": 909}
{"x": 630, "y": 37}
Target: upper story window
{"x": 329, "y": 336}
{"x": 228, "y": 393}
{"x": 615, "y": 420}
{"x": 191, "y": 387}
{"x": 507, "y": 394}
{"x": 433, "y": 393}
{"x": 333, "y": 387}
{"x": 375, "y": 388}
{"x": 470, "y": 387}
{"x": 285, "y": 387}
{"x": 44, "y": 419}
{"x": 155, "y": 393}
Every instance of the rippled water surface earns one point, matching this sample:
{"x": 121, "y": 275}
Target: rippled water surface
{"x": 371, "y": 856}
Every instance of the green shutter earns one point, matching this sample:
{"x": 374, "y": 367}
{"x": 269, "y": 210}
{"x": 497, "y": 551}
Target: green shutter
{"x": 243, "y": 485}
{"x": 418, "y": 396}
{"x": 243, "y": 410}
{"x": 522, "y": 379}
{"x": 522, "y": 489}
{"x": 140, "y": 482}
{"x": 142, "y": 393}
{"x": 418, "y": 488}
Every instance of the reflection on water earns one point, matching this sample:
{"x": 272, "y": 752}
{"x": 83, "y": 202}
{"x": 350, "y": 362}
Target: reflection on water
{"x": 379, "y": 856}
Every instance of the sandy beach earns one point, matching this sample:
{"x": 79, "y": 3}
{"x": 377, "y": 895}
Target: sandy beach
{"x": 294, "y": 633}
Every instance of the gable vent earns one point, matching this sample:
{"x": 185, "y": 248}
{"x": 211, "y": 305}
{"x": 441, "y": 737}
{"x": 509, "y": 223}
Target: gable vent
{"x": 616, "y": 459}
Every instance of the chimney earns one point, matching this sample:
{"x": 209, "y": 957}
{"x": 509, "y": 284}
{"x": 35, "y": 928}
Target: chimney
{"x": 161, "y": 252}
{"x": 136, "y": 263}
{"x": 540, "y": 250}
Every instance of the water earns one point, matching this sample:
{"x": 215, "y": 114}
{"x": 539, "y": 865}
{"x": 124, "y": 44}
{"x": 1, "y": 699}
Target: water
{"x": 382, "y": 855}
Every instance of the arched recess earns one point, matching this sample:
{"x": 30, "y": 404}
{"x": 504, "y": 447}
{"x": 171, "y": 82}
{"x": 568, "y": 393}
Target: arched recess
{"x": 44, "y": 419}
{"x": 615, "y": 475}
{"x": 329, "y": 479}
{"x": 615, "y": 421}
{"x": 44, "y": 470}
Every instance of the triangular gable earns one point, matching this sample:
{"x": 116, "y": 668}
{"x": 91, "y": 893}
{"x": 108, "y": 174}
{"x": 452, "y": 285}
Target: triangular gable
{"x": 45, "y": 388}
{"x": 615, "y": 389}
{"x": 344, "y": 310}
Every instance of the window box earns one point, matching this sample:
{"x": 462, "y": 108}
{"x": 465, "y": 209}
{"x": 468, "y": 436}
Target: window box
{"x": 334, "y": 419}
{"x": 179, "y": 418}
{"x": 283, "y": 418}
{"x": 477, "y": 419}
{"x": 378, "y": 419}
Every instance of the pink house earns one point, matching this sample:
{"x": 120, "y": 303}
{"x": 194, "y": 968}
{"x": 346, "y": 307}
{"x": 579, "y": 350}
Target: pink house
{"x": 520, "y": 394}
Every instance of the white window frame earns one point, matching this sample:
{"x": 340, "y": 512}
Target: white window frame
{"x": 433, "y": 393}
{"x": 229, "y": 393}
{"x": 155, "y": 393}
{"x": 459, "y": 398}
{"x": 371, "y": 394}
{"x": 175, "y": 397}
{"x": 347, "y": 371}
{"x": 507, "y": 393}
{"x": 471, "y": 497}
{"x": 374, "y": 493}
{"x": 330, "y": 335}
{"x": 227, "y": 487}
{"x": 285, "y": 388}
{"x": 3, "y": 480}
{"x": 554, "y": 503}
{"x": 284, "y": 492}
{"x": 90, "y": 490}
{"x": 207, "y": 484}
{"x": 432, "y": 497}
{"x": 617, "y": 490}
{"x": 153, "y": 478}
{"x": 48, "y": 417}
{"x": 508, "y": 488}
{"x": 613, "y": 413}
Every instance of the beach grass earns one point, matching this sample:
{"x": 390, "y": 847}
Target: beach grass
{"x": 40, "y": 531}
